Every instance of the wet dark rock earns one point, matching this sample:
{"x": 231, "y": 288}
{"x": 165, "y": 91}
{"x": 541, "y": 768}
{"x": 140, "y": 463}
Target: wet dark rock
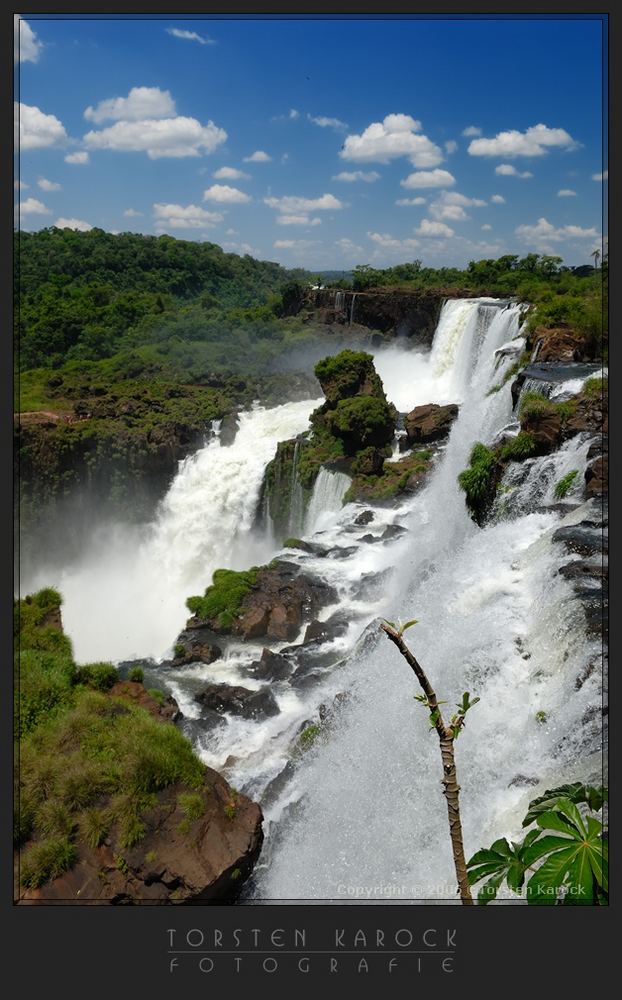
{"x": 582, "y": 569}
{"x": 229, "y": 428}
{"x": 271, "y": 666}
{"x": 326, "y": 631}
{"x": 312, "y": 548}
{"x": 278, "y": 785}
{"x": 582, "y": 538}
{"x": 590, "y": 668}
{"x": 392, "y": 531}
{"x": 342, "y": 551}
{"x": 597, "y": 477}
{"x": 366, "y": 517}
{"x": 371, "y": 584}
{"x": 198, "y": 647}
{"x": 238, "y": 701}
{"x": 370, "y": 539}
{"x": 523, "y": 780}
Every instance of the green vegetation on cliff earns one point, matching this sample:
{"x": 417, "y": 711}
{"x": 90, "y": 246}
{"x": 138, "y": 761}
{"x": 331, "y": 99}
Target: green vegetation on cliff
{"x": 222, "y": 600}
{"x": 91, "y": 764}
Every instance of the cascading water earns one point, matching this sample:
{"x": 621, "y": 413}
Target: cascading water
{"x": 327, "y": 497}
{"x": 494, "y": 618}
{"x": 296, "y": 498}
{"x": 127, "y": 596}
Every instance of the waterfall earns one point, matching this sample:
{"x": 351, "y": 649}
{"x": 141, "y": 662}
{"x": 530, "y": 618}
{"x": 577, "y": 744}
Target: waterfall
{"x": 494, "y": 618}
{"x": 339, "y": 300}
{"x": 326, "y": 499}
{"x": 352, "y": 308}
{"x": 127, "y": 595}
{"x": 296, "y": 499}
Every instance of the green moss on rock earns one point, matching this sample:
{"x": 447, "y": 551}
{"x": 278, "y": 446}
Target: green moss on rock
{"x": 223, "y": 599}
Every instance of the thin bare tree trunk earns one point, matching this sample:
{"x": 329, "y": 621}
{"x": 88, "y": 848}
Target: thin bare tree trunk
{"x": 451, "y": 788}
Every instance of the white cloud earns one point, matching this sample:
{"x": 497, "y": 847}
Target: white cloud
{"x": 26, "y": 45}
{"x": 429, "y": 228}
{"x": 601, "y": 177}
{"x": 566, "y": 193}
{"x": 291, "y": 204}
{"x": 388, "y": 242}
{"x": 429, "y": 179}
{"x": 226, "y": 195}
{"x": 350, "y": 176}
{"x": 412, "y": 201}
{"x": 184, "y": 216}
{"x": 34, "y": 129}
{"x": 535, "y": 141}
{"x": 140, "y": 103}
{"x": 486, "y": 228}
{"x": 239, "y": 248}
{"x": 32, "y": 206}
{"x": 190, "y": 36}
{"x": 20, "y": 185}
{"x": 297, "y": 220}
{"x": 172, "y": 137}
{"x": 347, "y": 246}
{"x": 543, "y": 234}
{"x": 79, "y": 224}
{"x": 324, "y": 122}
{"x": 395, "y": 136}
{"x": 131, "y": 213}
{"x": 230, "y": 174}
{"x": 498, "y": 199}
{"x": 451, "y": 206}
{"x": 80, "y": 157}
{"x": 291, "y": 116}
{"x": 451, "y": 146}
{"x": 471, "y": 130}
{"x": 46, "y": 185}
{"x": 507, "y": 170}
{"x": 258, "y": 157}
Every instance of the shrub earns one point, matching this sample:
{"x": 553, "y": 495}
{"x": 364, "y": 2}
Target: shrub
{"x": 477, "y": 479}
{"x": 46, "y": 860}
{"x": 309, "y": 735}
{"x": 99, "y": 676}
{"x": 362, "y": 421}
{"x": 94, "y": 826}
{"x": 223, "y": 599}
{"x": 192, "y": 805}
{"x": 343, "y": 375}
{"x": 157, "y": 695}
{"x": 534, "y": 406}
{"x": 44, "y": 684}
{"x": 136, "y": 675}
{"x": 563, "y": 486}
{"x": 595, "y": 387}
{"x": 520, "y": 447}
{"x": 179, "y": 650}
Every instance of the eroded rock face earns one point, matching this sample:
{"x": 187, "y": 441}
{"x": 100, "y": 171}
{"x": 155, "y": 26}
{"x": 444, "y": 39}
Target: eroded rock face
{"x": 199, "y": 647}
{"x": 559, "y": 344}
{"x": 137, "y": 694}
{"x": 177, "y": 861}
{"x": 429, "y": 422}
{"x": 279, "y": 603}
{"x": 545, "y": 430}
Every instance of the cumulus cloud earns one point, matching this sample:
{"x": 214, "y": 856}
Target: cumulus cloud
{"x": 131, "y": 213}
{"x": 226, "y": 195}
{"x": 350, "y": 176}
{"x": 230, "y": 174}
{"x": 258, "y": 157}
{"x": 471, "y": 130}
{"x": 451, "y": 206}
{"x": 486, "y": 228}
{"x": 429, "y": 179}
{"x": 46, "y": 185}
{"x": 298, "y": 220}
{"x": 26, "y": 45}
{"x": 184, "y": 216}
{"x": 507, "y": 170}
{"x": 324, "y": 122}
{"x": 292, "y": 205}
{"x": 535, "y": 141}
{"x": 566, "y": 193}
{"x": 190, "y": 36}
{"x": 163, "y": 137}
{"x": 389, "y": 139}
{"x": 348, "y": 246}
{"x": 543, "y": 234}
{"x": 601, "y": 177}
{"x": 80, "y": 157}
{"x": 239, "y": 248}
{"x": 35, "y": 130}
{"x": 294, "y": 244}
{"x": 412, "y": 201}
{"x": 451, "y": 146}
{"x": 32, "y": 206}
{"x": 388, "y": 242}
{"x": 498, "y": 199}
{"x": 429, "y": 228}
{"x": 140, "y": 103}
{"x": 78, "y": 224}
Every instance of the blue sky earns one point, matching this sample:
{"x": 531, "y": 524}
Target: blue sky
{"x": 322, "y": 143}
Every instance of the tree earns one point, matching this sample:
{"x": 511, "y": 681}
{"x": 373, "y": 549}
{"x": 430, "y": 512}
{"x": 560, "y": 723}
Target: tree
{"x": 596, "y": 255}
{"x": 447, "y": 735}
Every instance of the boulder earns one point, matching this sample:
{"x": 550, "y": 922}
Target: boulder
{"x": 366, "y": 517}
{"x": 429, "y": 422}
{"x": 545, "y": 430}
{"x": 392, "y": 531}
{"x": 597, "y": 477}
{"x": 278, "y": 603}
{"x": 238, "y": 701}
{"x": 319, "y": 632}
{"x": 271, "y": 666}
{"x": 228, "y": 429}
{"x": 585, "y": 539}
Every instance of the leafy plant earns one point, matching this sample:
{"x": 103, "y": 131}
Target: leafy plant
{"x": 136, "y": 675}
{"x": 520, "y": 447}
{"x": 562, "y": 487}
{"x": 568, "y": 846}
